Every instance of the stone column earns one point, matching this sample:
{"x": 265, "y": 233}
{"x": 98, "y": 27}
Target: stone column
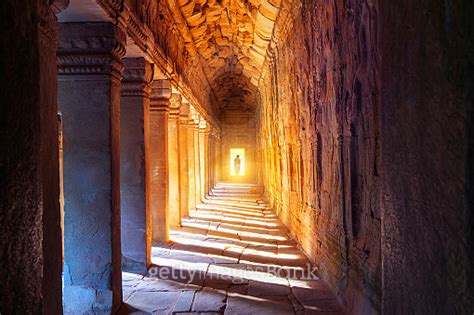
{"x": 136, "y": 243}
{"x": 211, "y": 160}
{"x": 207, "y": 142}
{"x": 197, "y": 158}
{"x": 184, "y": 158}
{"x": 191, "y": 160}
{"x": 30, "y": 246}
{"x": 174, "y": 161}
{"x": 216, "y": 153}
{"x": 203, "y": 157}
{"x": 89, "y": 74}
{"x": 156, "y": 150}
{"x": 218, "y": 162}
{"x": 49, "y": 149}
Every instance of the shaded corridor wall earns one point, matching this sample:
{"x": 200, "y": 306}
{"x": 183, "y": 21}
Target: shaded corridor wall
{"x": 319, "y": 135}
{"x": 427, "y": 126}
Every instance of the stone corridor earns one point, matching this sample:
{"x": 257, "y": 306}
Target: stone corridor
{"x": 236, "y": 157}
{"x": 231, "y": 256}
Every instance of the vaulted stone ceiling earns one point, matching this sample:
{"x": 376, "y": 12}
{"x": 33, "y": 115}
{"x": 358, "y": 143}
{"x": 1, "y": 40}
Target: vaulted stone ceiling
{"x": 231, "y": 38}
{"x": 234, "y": 91}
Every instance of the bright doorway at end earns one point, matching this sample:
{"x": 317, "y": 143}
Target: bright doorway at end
{"x": 237, "y": 162}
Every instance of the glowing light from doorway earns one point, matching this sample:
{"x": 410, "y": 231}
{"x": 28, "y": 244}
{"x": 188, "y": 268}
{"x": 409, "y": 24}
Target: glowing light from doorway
{"x": 237, "y": 162}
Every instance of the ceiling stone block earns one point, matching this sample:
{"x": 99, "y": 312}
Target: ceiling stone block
{"x": 231, "y": 38}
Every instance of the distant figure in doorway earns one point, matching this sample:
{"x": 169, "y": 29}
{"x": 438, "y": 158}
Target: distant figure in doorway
{"x": 237, "y": 165}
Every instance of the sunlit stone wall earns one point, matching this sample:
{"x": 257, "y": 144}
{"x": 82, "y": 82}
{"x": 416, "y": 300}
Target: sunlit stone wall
{"x": 365, "y": 105}
{"x": 318, "y": 132}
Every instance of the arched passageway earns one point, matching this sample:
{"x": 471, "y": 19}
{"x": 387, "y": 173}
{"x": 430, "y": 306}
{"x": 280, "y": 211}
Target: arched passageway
{"x": 236, "y": 156}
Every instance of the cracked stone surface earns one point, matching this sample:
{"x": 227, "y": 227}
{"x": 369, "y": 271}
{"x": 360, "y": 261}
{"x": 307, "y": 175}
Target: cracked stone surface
{"x": 231, "y": 256}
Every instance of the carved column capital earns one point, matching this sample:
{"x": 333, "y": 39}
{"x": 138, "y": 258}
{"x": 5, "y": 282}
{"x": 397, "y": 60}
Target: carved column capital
{"x": 197, "y": 122}
{"x": 211, "y": 132}
{"x": 175, "y": 105}
{"x": 204, "y": 127}
{"x": 91, "y": 48}
{"x": 137, "y": 77}
{"x": 160, "y": 95}
{"x": 215, "y": 133}
{"x": 191, "y": 122}
{"x": 184, "y": 112}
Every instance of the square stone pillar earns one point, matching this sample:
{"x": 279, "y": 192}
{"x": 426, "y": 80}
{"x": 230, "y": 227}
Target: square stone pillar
{"x": 184, "y": 158}
{"x": 136, "y": 238}
{"x": 211, "y": 154}
{"x": 174, "y": 162}
{"x": 204, "y": 157}
{"x": 49, "y": 148}
{"x": 208, "y": 158}
{"x": 191, "y": 144}
{"x": 197, "y": 159}
{"x": 214, "y": 158}
{"x": 218, "y": 162}
{"x": 30, "y": 244}
{"x": 89, "y": 74}
{"x": 156, "y": 150}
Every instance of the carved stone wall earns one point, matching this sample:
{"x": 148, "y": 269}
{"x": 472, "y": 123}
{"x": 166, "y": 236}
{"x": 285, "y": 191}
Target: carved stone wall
{"x": 319, "y": 131}
{"x": 426, "y": 157}
{"x": 364, "y": 133}
{"x": 365, "y": 106}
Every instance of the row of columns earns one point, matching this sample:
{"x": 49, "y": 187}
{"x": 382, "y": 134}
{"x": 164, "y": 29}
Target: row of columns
{"x": 137, "y": 157}
{"x": 178, "y": 151}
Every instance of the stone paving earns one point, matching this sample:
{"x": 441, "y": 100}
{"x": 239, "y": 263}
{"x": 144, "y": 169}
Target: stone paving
{"x": 231, "y": 256}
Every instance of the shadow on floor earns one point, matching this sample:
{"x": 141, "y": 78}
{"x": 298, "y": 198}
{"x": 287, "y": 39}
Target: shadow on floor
{"x": 231, "y": 256}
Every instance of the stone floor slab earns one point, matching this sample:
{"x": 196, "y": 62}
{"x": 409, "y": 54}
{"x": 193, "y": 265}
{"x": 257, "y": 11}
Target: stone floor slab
{"x": 260, "y": 289}
{"x": 209, "y": 300}
{"x": 232, "y": 256}
{"x": 249, "y": 305}
{"x": 150, "y": 302}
